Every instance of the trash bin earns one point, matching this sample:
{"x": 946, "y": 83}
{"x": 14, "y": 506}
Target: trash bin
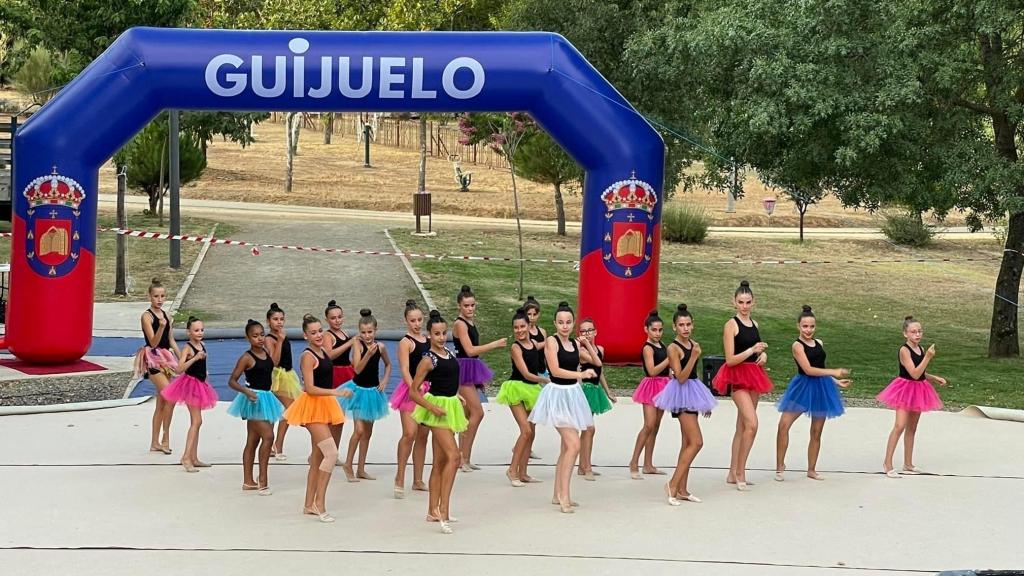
{"x": 710, "y": 366}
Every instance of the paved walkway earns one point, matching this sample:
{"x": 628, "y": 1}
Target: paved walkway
{"x": 233, "y": 285}
{"x": 405, "y": 219}
{"x": 91, "y": 500}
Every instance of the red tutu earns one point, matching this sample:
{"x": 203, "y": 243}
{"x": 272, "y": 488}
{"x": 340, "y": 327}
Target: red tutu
{"x": 400, "y": 399}
{"x": 342, "y": 374}
{"x": 912, "y": 395}
{"x": 743, "y": 376}
{"x": 649, "y": 388}
{"x": 190, "y": 391}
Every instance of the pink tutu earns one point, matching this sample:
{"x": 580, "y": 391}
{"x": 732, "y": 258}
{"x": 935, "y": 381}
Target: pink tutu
{"x": 400, "y": 399}
{"x": 649, "y": 388}
{"x": 911, "y": 395}
{"x": 743, "y": 376}
{"x": 190, "y": 391}
{"x": 154, "y": 361}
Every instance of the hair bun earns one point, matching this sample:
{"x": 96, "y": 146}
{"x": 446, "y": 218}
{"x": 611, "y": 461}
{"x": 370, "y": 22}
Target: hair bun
{"x": 530, "y": 298}
{"x": 332, "y": 303}
{"x": 907, "y": 318}
{"x": 155, "y": 281}
{"x": 410, "y": 302}
{"x": 466, "y": 288}
{"x": 309, "y": 318}
{"x": 681, "y": 308}
{"x": 274, "y": 306}
{"x": 563, "y": 304}
{"x": 191, "y": 319}
{"x": 744, "y": 284}
{"x": 806, "y": 308}
{"x": 365, "y": 312}
{"x": 434, "y": 314}
{"x": 653, "y": 313}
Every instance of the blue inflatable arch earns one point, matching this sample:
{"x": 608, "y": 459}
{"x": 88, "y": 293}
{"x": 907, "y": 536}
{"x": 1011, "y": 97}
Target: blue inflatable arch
{"x": 60, "y": 149}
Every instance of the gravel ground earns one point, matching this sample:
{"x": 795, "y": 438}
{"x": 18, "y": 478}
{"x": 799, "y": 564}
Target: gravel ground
{"x": 61, "y": 390}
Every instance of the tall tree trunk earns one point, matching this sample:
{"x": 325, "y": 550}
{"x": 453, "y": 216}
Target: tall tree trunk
{"x": 559, "y": 208}
{"x": 328, "y": 127}
{"x": 291, "y": 145}
{"x": 803, "y": 211}
{"x": 421, "y": 185}
{"x": 1003, "y": 341}
{"x": 519, "y": 224}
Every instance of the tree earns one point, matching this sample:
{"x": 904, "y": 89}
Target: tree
{"x": 35, "y": 77}
{"x": 541, "y": 159}
{"x": 145, "y": 156}
{"x": 233, "y": 126}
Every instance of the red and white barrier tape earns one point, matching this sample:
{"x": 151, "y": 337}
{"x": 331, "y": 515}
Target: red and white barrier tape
{"x": 256, "y": 246}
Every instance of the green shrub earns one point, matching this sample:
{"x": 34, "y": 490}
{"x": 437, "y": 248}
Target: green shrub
{"x": 35, "y": 77}
{"x": 907, "y": 229}
{"x": 684, "y": 223}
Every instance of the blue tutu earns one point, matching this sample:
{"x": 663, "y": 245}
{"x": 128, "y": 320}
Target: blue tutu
{"x": 365, "y": 403}
{"x": 818, "y": 396}
{"x": 266, "y": 407}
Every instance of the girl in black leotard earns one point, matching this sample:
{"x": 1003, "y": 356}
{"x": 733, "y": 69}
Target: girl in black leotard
{"x": 367, "y": 403}
{"x": 191, "y": 389}
{"x": 285, "y": 382}
{"x": 339, "y": 347}
{"x": 744, "y": 378}
{"x": 474, "y": 373}
{"x": 414, "y": 437}
{"x": 520, "y": 393}
{"x": 562, "y": 403}
{"x": 442, "y": 409}
{"x": 257, "y": 405}
{"x": 596, "y": 390}
{"x": 655, "y": 358}
{"x": 317, "y": 409}
{"x": 157, "y": 360}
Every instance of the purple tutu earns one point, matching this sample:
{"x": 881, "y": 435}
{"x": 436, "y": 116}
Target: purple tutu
{"x": 400, "y": 399}
{"x": 190, "y": 391}
{"x": 649, "y": 389}
{"x": 687, "y": 396}
{"x": 911, "y": 395}
{"x": 474, "y": 372}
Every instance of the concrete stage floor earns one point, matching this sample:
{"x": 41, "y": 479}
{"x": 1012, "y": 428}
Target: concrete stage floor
{"x": 82, "y": 495}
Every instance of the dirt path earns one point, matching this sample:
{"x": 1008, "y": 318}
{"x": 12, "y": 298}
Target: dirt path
{"x": 233, "y": 285}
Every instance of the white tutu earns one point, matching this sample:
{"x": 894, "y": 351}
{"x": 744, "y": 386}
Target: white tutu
{"x": 563, "y": 407}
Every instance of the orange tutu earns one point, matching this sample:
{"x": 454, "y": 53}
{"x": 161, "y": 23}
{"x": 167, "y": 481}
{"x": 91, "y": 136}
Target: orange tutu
{"x": 314, "y": 410}
{"x": 743, "y": 376}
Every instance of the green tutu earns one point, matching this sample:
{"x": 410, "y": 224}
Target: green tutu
{"x": 515, "y": 392}
{"x": 454, "y": 418}
{"x": 596, "y": 398}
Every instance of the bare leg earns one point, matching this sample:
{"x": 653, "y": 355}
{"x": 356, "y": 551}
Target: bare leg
{"x": 693, "y": 441}
{"x": 587, "y": 451}
{"x": 419, "y": 457}
{"x": 521, "y": 449}
{"x": 445, "y": 440}
{"x": 649, "y": 446}
{"x": 265, "y": 432}
{"x": 364, "y": 447}
{"x": 190, "y": 457}
{"x": 902, "y": 416}
{"x": 322, "y": 462}
{"x": 353, "y": 444}
{"x": 160, "y": 421}
{"x": 814, "y": 447}
{"x": 436, "y": 472}
{"x": 782, "y": 441}
{"x": 405, "y": 445}
{"x": 563, "y": 470}
{"x": 908, "y": 440}
{"x": 336, "y": 430}
{"x": 282, "y": 426}
{"x": 735, "y": 450}
{"x": 475, "y": 413}
{"x": 252, "y": 438}
{"x": 746, "y": 402}
{"x": 650, "y": 425}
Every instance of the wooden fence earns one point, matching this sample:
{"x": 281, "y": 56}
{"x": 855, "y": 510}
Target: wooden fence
{"x": 442, "y": 139}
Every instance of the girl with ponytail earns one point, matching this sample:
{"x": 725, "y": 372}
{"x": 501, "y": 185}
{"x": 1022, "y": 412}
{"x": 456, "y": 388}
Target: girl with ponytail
{"x": 656, "y": 370}
{"x": 191, "y": 389}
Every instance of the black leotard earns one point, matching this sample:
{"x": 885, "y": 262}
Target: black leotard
{"x": 916, "y": 359}
{"x": 746, "y": 337}
{"x": 198, "y": 368}
{"x": 567, "y": 360}
{"x": 474, "y": 338}
{"x": 370, "y": 376}
{"x": 285, "y": 360}
{"x": 815, "y": 356}
{"x": 660, "y": 354}
{"x": 444, "y": 377}
{"x": 323, "y": 372}
{"x": 682, "y": 362}
{"x": 597, "y": 369}
{"x": 345, "y": 358}
{"x": 165, "y": 338}
{"x": 531, "y": 357}
{"x": 259, "y": 376}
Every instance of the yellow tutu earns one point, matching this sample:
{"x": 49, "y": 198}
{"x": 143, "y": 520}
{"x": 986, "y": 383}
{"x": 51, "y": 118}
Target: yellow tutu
{"x": 314, "y": 409}
{"x": 285, "y": 383}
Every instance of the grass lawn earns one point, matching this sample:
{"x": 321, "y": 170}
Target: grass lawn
{"x": 859, "y": 307}
{"x": 146, "y": 258}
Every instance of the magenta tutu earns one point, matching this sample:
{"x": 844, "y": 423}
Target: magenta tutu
{"x": 190, "y": 391}
{"x": 400, "y": 399}
{"x": 912, "y": 395}
{"x": 743, "y": 376}
{"x": 474, "y": 372}
{"x": 649, "y": 389}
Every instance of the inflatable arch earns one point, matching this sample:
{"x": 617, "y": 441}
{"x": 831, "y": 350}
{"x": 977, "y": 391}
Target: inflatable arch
{"x": 60, "y": 149}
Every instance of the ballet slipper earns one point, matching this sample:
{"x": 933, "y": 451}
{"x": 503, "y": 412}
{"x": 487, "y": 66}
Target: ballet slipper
{"x": 655, "y": 472}
{"x": 420, "y": 486}
{"x": 530, "y": 479}
{"x": 815, "y": 476}
{"x": 516, "y": 482}
{"x": 671, "y": 499}
{"x": 349, "y": 474}
{"x": 399, "y": 492}
{"x": 365, "y": 475}
{"x": 779, "y": 477}
{"x": 249, "y": 487}
{"x": 913, "y": 470}
{"x": 264, "y": 491}
{"x": 322, "y": 516}
{"x": 893, "y": 474}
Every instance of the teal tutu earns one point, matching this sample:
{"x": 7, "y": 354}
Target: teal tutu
{"x": 596, "y": 398}
{"x": 266, "y": 407}
{"x": 365, "y": 403}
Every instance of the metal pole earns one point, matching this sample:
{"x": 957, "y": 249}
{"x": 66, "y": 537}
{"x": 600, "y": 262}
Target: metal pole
{"x": 730, "y": 201}
{"x": 175, "y": 185}
{"x": 366, "y": 146}
{"x": 120, "y": 285}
